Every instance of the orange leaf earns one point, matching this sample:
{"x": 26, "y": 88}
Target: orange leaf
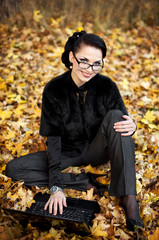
{"x": 155, "y": 235}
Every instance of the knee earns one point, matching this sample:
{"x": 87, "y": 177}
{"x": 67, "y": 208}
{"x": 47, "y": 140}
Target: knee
{"x": 111, "y": 118}
{"x": 115, "y": 112}
{"x": 114, "y": 115}
{"x": 10, "y": 169}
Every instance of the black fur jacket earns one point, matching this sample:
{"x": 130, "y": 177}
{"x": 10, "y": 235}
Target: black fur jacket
{"x": 61, "y": 112}
{"x": 73, "y": 121}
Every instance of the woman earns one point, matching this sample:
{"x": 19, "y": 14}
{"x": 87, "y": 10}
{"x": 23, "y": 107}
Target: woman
{"x": 86, "y": 122}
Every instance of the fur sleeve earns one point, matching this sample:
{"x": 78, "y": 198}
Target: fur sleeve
{"x": 115, "y": 101}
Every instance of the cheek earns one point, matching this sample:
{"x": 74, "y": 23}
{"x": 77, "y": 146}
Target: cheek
{"x": 76, "y": 68}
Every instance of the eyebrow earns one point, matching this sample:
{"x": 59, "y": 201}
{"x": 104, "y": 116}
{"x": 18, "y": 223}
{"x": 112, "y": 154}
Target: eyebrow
{"x": 100, "y": 60}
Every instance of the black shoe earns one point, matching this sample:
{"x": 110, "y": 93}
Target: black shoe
{"x": 133, "y": 224}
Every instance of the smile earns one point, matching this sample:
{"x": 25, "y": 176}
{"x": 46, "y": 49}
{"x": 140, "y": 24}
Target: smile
{"x": 86, "y": 74}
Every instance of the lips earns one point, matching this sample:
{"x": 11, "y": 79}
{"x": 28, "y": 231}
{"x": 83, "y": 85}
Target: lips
{"x": 87, "y": 75}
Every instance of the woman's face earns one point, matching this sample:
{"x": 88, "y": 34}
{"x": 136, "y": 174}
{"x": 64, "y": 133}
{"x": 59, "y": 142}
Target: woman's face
{"x": 86, "y": 54}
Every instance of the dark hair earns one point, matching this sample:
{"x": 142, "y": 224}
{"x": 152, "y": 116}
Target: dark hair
{"x": 75, "y": 42}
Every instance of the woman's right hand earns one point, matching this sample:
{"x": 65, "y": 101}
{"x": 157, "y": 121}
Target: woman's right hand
{"x": 56, "y": 200}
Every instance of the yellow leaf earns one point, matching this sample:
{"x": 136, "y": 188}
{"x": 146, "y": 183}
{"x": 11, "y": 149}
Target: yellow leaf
{"x": 15, "y": 56}
{"x": 80, "y": 28}
{"x": 89, "y": 195}
{"x": 5, "y": 114}
{"x": 155, "y": 235}
{"x": 139, "y": 40}
{"x": 145, "y": 85}
{"x": 21, "y": 192}
{"x": 10, "y": 135}
{"x": 125, "y": 83}
{"x": 149, "y": 173}
{"x": 3, "y": 168}
{"x": 89, "y": 168}
{"x": 99, "y": 229}
{"x": 10, "y": 78}
{"x": 17, "y": 148}
{"x": 18, "y": 112}
{"x": 153, "y": 126}
{"x": 54, "y": 22}
{"x": 47, "y": 236}
{"x": 53, "y": 232}
{"x": 122, "y": 234}
{"x": 4, "y": 177}
{"x": 145, "y": 121}
{"x": 13, "y": 197}
{"x": 149, "y": 117}
{"x": 140, "y": 103}
{"x": 37, "y": 112}
{"x": 69, "y": 31}
{"x": 138, "y": 186}
{"x": 37, "y": 16}
{"x": 29, "y": 203}
{"x": 3, "y": 86}
{"x": 14, "y": 98}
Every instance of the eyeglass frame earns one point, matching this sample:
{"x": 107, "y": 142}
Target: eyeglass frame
{"x": 90, "y": 65}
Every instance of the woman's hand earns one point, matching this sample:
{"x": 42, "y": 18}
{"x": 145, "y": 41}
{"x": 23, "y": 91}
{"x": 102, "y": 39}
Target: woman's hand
{"x": 127, "y": 127}
{"x": 56, "y": 200}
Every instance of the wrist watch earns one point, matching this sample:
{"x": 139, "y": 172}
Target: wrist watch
{"x": 55, "y": 189}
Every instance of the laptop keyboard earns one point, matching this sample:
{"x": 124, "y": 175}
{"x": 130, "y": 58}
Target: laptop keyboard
{"x": 70, "y": 214}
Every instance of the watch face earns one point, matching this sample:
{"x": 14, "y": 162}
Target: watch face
{"x": 55, "y": 188}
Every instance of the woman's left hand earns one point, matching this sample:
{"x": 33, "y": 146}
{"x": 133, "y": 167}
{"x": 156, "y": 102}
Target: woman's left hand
{"x": 127, "y": 127}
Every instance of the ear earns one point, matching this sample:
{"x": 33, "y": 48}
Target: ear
{"x": 71, "y": 57}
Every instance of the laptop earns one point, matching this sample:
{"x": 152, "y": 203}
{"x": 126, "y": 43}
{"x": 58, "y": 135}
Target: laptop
{"x": 78, "y": 212}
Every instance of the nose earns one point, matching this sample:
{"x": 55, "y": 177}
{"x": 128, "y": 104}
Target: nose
{"x": 90, "y": 68}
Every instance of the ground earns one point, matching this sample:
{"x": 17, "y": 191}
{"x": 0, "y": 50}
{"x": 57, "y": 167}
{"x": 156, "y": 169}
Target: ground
{"x": 29, "y": 58}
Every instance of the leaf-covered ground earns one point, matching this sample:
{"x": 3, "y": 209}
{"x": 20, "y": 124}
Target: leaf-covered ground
{"x": 29, "y": 58}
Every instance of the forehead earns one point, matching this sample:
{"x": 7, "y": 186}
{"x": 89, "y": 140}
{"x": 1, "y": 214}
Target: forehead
{"x": 89, "y": 52}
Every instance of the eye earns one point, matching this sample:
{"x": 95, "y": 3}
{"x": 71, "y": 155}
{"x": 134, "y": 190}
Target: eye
{"x": 83, "y": 60}
{"x": 97, "y": 63}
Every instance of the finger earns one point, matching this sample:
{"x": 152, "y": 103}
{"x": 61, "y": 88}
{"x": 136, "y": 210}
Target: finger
{"x": 128, "y": 126}
{"x": 122, "y": 123}
{"x": 126, "y": 117}
{"x": 46, "y": 205}
{"x": 51, "y": 205}
{"x": 55, "y": 206}
{"x": 124, "y": 129}
{"x": 127, "y": 134}
{"x": 60, "y": 206}
{"x": 64, "y": 202}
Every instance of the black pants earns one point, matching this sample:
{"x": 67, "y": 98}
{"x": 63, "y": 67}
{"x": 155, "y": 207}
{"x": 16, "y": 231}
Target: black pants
{"x": 107, "y": 145}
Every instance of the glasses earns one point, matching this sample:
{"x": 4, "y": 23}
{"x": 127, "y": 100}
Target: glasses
{"x": 84, "y": 65}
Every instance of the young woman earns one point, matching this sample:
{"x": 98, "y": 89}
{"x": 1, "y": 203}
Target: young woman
{"x": 86, "y": 122}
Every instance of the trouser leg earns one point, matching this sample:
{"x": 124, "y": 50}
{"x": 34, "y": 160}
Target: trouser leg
{"x": 33, "y": 170}
{"x": 110, "y": 145}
